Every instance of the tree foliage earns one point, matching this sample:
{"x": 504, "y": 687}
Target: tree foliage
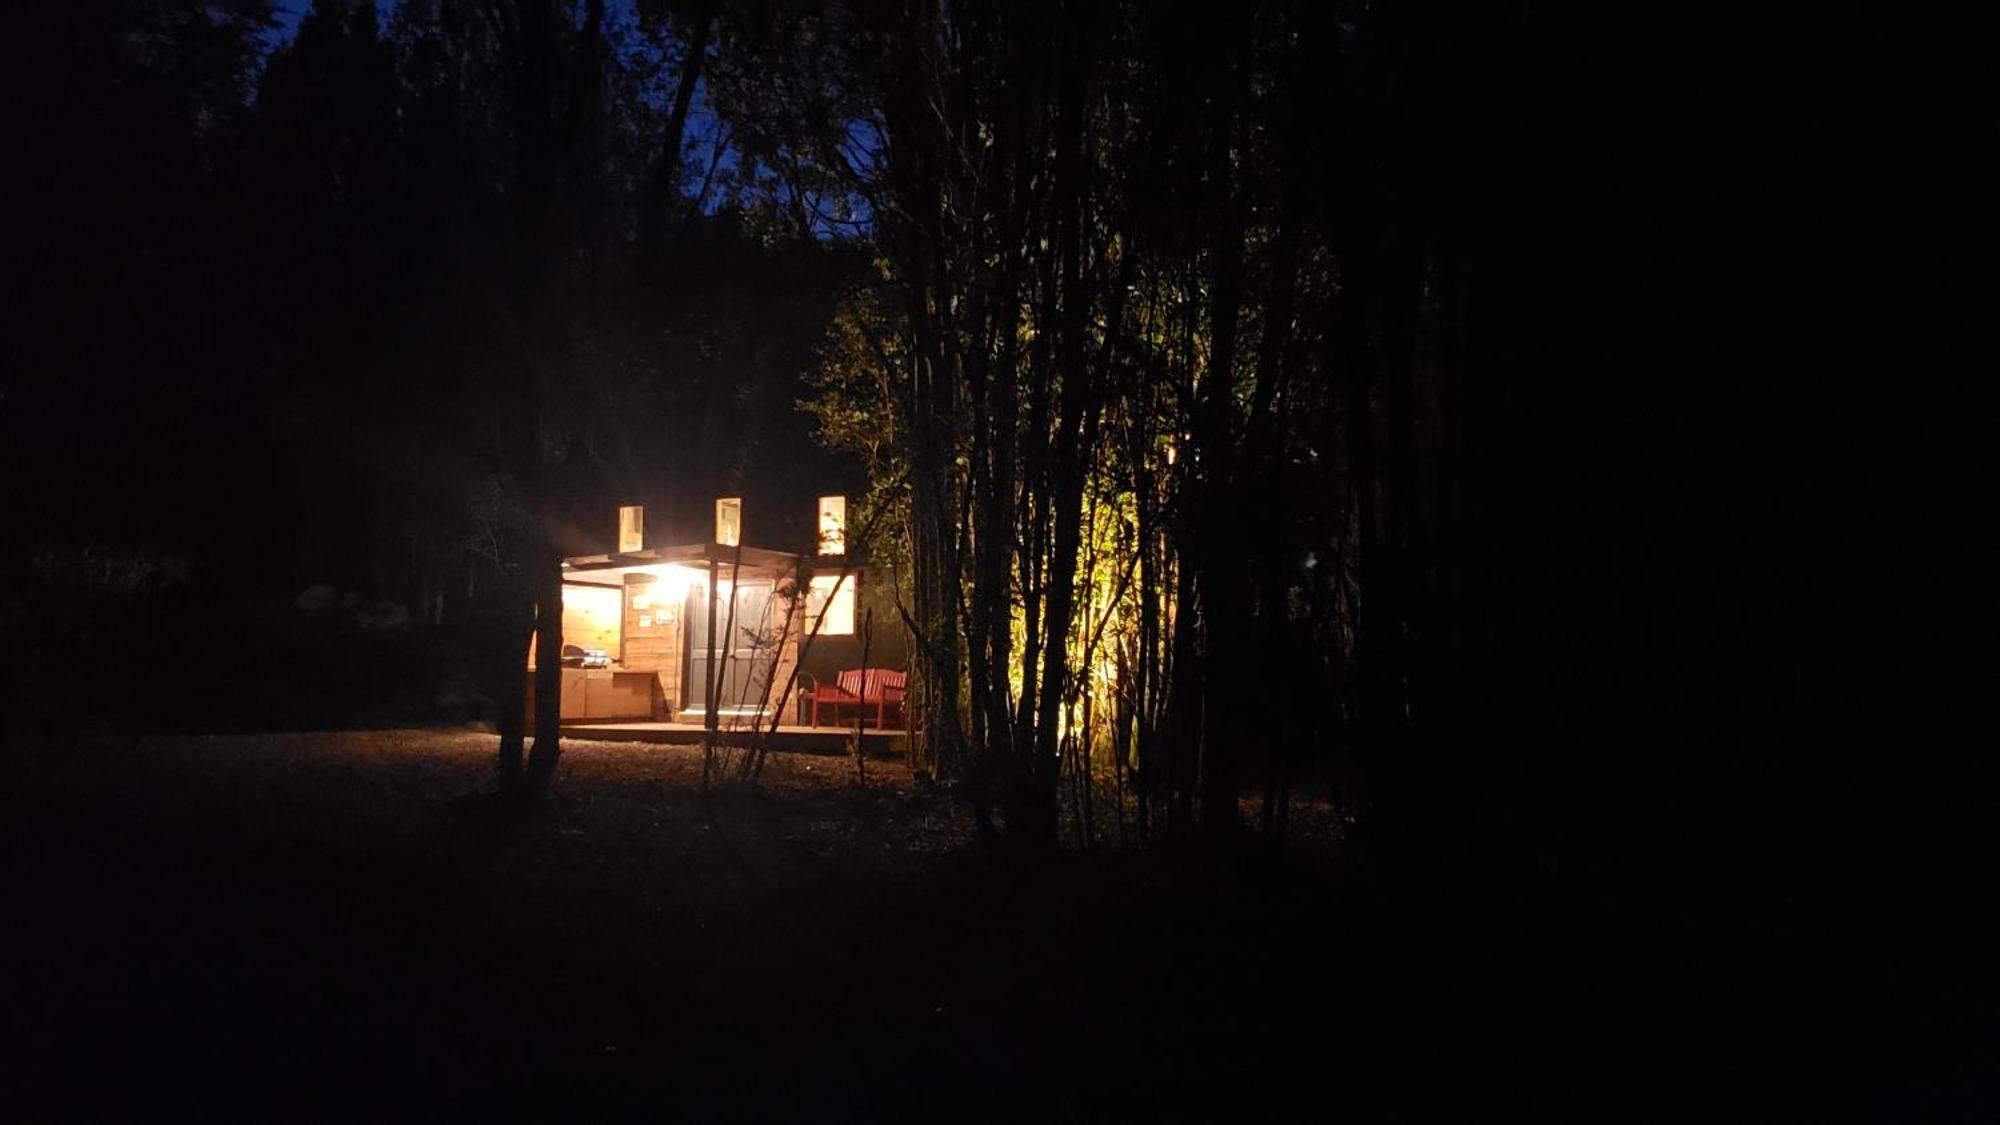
{"x": 1213, "y": 370}
{"x": 1165, "y": 347}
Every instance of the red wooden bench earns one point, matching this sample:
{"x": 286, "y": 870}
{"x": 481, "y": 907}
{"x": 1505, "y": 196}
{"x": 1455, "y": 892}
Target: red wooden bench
{"x": 881, "y": 688}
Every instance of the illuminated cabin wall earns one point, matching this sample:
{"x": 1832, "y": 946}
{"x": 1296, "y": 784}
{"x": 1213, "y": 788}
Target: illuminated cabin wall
{"x": 653, "y": 607}
{"x": 785, "y": 608}
{"x": 782, "y": 615}
{"x": 841, "y": 645}
{"x": 590, "y": 619}
{"x": 641, "y": 626}
{"x": 655, "y": 631}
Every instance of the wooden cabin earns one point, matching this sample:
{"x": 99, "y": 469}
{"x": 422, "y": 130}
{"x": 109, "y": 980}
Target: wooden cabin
{"x": 676, "y": 622}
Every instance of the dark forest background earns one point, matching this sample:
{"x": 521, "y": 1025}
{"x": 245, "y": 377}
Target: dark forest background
{"x": 1446, "y": 405}
{"x": 268, "y": 316}
{"x": 1505, "y": 515}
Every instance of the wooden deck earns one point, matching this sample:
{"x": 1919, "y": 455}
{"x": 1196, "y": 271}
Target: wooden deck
{"x": 812, "y": 740}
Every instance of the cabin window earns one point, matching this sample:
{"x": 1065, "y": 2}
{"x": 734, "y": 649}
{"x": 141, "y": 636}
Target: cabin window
{"x": 631, "y": 529}
{"x": 833, "y": 597}
{"x": 729, "y": 521}
{"x": 833, "y": 525}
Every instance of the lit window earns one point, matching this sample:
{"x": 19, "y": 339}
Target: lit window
{"x": 631, "y": 529}
{"x": 832, "y": 596}
{"x": 729, "y": 520}
{"x": 833, "y": 525}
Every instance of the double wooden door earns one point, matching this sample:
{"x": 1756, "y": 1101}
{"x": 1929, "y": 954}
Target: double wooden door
{"x": 745, "y": 647}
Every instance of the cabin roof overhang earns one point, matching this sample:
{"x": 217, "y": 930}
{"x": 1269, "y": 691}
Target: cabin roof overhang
{"x": 611, "y": 569}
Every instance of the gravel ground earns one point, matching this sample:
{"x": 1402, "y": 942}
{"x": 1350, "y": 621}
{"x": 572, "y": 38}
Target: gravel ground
{"x": 313, "y": 923}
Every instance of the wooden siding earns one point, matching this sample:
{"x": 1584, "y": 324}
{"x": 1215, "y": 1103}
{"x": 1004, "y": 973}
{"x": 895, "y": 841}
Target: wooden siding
{"x": 655, "y": 646}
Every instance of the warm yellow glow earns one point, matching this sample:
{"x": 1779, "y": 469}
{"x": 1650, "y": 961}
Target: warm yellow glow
{"x": 591, "y": 617}
{"x": 631, "y": 529}
{"x": 669, "y": 586}
{"x": 729, "y": 520}
{"x": 833, "y": 525}
{"x": 833, "y": 596}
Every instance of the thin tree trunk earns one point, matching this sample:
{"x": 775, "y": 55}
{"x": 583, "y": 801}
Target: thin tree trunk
{"x": 657, "y": 218}
{"x": 709, "y": 711}
{"x": 547, "y": 750}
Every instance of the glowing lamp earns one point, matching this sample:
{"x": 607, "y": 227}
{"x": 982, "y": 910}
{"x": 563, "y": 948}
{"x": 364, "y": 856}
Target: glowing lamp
{"x": 729, "y": 520}
{"x": 631, "y": 529}
{"x": 833, "y": 525}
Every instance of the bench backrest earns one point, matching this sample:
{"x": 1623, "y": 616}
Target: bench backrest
{"x": 873, "y": 683}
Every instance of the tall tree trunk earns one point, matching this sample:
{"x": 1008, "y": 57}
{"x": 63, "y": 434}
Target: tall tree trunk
{"x": 547, "y": 579}
{"x": 657, "y": 217}
{"x": 510, "y": 654}
{"x": 1223, "y": 537}
{"x": 1065, "y": 500}
{"x": 547, "y": 120}
{"x": 1258, "y": 463}
{"x": 1146, "y": 686}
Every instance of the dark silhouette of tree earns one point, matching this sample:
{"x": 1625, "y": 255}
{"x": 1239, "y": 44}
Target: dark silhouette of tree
{"x": 1245, "y": 408}
{"x": 1211, "y": 284}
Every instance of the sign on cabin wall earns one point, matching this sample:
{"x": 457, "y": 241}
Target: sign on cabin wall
{"x": 651, "y": 613}
{"x": 652, "y": 632}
